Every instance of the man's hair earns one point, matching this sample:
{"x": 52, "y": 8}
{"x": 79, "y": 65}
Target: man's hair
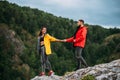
{"x": 81, "y": 21}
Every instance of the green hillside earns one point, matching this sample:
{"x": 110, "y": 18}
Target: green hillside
{"x": 19, "y": 27}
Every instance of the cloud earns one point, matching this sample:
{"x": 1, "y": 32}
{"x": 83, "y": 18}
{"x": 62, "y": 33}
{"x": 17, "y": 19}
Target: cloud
{"x": 62, "y": 4}
{"x": 101, "y": 12}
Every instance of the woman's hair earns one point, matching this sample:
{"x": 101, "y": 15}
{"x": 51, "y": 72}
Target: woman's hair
{"x": 40, "y": 33}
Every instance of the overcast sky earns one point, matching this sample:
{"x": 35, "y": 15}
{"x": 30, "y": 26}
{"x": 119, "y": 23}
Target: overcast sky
{"x": 99, "y": 12}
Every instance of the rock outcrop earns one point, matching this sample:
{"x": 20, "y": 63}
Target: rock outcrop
{"x": 12, "y": 44}
{"x": 107, "y": 71}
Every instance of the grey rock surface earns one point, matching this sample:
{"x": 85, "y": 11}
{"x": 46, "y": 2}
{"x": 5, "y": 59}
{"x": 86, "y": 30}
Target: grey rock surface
{"x": 106, "y": 71}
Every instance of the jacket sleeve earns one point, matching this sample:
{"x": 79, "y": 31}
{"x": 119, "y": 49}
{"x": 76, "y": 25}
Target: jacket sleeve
{"x": 51, "y": 38}
{"x": 70, "y": 39}
{"x": 81, "y": 36}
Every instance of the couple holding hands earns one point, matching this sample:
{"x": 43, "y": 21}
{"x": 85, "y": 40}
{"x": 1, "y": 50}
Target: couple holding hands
{"x": 78, "y": 40}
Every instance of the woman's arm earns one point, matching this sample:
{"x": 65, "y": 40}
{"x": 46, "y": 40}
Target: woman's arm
{"x": 52, "y": 38}
{"x": 55, "y": 39}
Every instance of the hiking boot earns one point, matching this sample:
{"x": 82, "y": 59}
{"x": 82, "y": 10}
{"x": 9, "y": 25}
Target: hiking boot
{"x": 50, "y": 73}
{"x": 42, "y": 74}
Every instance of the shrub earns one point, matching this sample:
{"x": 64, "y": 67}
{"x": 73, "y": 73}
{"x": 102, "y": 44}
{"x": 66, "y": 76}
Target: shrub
{"x": 88, "y": 77}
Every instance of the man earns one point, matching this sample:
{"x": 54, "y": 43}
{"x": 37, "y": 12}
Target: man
{"x": 78, "y": 41}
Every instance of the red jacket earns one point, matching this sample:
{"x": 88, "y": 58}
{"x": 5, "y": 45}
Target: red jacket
{"x": 79, "y": 38}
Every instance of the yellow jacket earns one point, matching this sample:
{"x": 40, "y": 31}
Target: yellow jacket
{"x": 47, "y": 40}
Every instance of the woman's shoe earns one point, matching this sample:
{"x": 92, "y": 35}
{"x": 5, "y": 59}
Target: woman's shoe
{"x": 42, "y": 74}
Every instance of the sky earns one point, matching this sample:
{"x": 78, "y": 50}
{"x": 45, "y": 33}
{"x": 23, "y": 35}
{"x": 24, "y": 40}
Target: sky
{"x": 95, "y": 12}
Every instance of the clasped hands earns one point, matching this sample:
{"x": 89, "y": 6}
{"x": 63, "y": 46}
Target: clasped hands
{"x": 64, "y": 40}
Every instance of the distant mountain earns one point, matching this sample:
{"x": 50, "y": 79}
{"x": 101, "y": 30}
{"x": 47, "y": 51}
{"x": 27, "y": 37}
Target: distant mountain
{"x": 113, "y": 41}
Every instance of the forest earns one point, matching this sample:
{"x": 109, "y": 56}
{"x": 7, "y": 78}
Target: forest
{"x": 19, "y": 28}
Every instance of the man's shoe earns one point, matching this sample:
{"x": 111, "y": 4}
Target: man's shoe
{"x": 50, "y": 73}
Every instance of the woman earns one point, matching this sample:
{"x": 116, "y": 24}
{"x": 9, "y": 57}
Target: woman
{"x": 44, "y": 48}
